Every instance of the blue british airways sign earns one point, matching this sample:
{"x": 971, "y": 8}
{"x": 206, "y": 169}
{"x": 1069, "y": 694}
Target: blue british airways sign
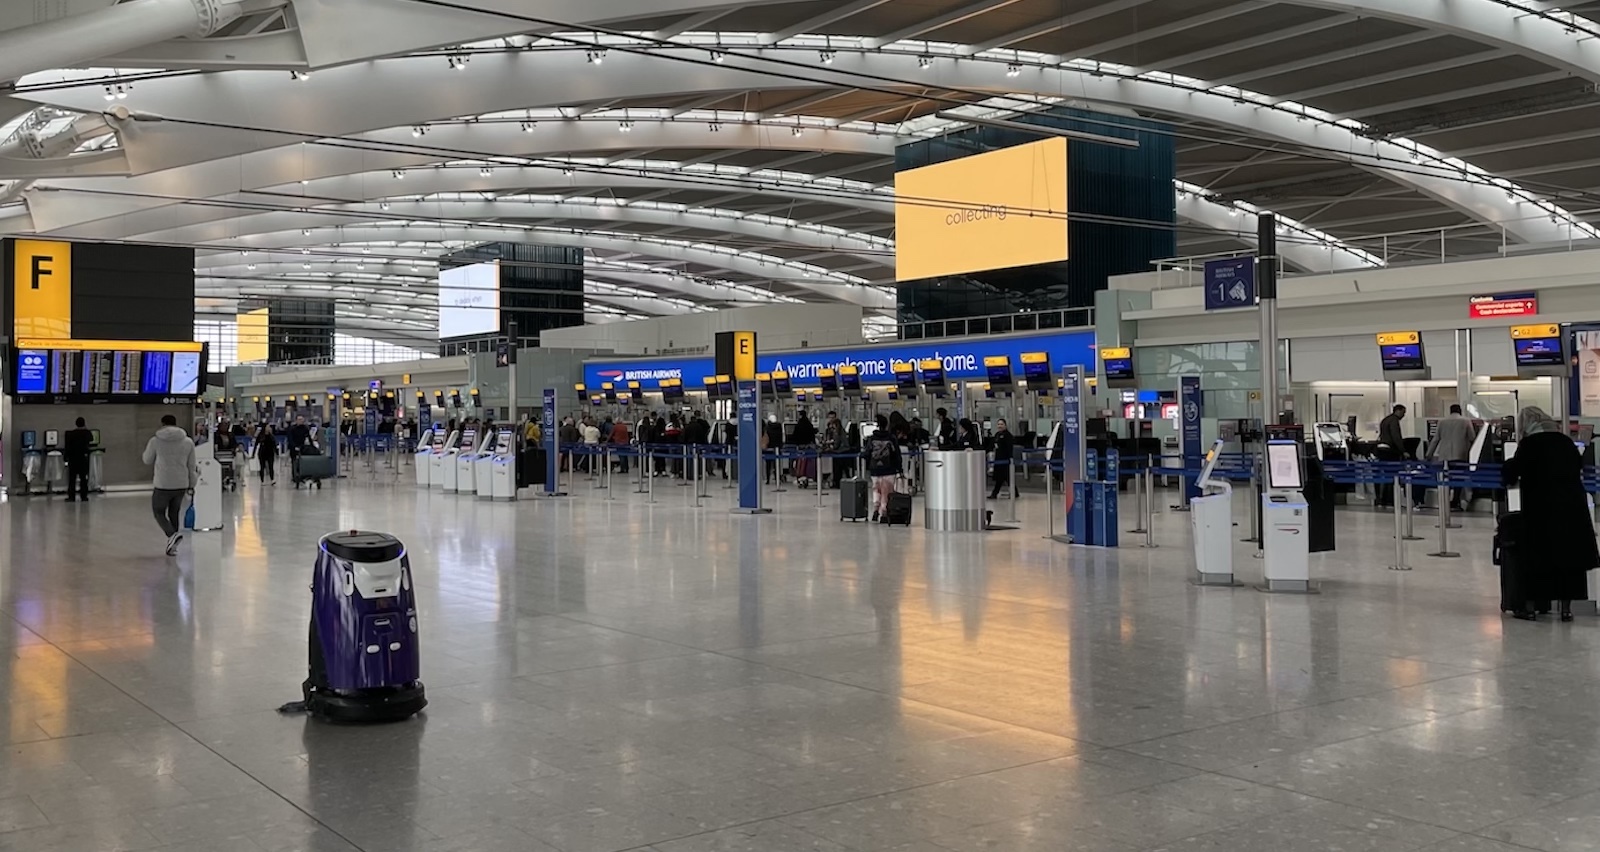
{"x": 1230, "y": 283}
{"x": 962, "y": 359}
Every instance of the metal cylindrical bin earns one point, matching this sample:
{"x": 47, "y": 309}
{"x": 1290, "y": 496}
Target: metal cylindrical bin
{"x": 953, "y": 481}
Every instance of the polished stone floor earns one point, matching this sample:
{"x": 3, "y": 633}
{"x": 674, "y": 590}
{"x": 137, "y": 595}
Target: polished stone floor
{"x": 615, "y": 675}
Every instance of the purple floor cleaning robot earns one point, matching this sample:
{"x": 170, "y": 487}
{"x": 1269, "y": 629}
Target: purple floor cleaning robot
{"x": 363, "y": 643}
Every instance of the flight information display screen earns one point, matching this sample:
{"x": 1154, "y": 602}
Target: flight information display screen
{"x": 933, "y": 375}
{"x": 850, "y": 381}
{"x": 75, "y": 371}
{"x": 829, "y": 381}
{"x": 780, "y": 384}
{"x": 905, "y": 377}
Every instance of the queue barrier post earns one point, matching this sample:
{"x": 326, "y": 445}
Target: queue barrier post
{"x": 1411, "y": 512}
{"x": 1399, "y": 533}
{"x": 1011, "y": 485}
{"x": 1149, "y": 508}
{"x": 1144, "y": 496}
{"x": 1444, "y": 551}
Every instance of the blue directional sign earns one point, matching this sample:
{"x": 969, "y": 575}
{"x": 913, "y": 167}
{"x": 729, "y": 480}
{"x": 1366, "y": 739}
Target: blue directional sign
{"x": 1230, "y": 283}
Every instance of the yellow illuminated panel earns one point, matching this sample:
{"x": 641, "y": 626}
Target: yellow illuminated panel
{"x": 41, "y": 289}
{"x": 1534, "y": 331}
{"x": 763, "y": 377}
{"x": 825, "y": 371}
{"x": 1110, "y": 352}
{"x": 112, "y": 345}
{"x": 996, "y": 361}
{"x": 997, "y": 210}
{"x": 901, "y": 367}
{"x": 931, "y": 364}
{"x": 849, "y": 370}
{"x": 744, "y": 355}
{"x": 1398, "y": 338}
{"x": 252, "y": 327}
{"x": 1035, "y": 357}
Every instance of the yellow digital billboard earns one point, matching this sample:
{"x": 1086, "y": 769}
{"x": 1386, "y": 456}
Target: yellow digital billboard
{"x": 252, "y": 330}
{"x": 997, "y": 210}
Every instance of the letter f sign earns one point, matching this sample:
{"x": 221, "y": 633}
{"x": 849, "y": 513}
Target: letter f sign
{"x": 39, "y": 268}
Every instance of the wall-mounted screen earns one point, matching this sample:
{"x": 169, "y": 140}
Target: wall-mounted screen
{"x": 100, "y": 371}
{"x": 850, "y": 379}
{"x": 469, "y": 300}
{"x": 998, "y": 368}
{"x": 1036, "y": 372}
{"x": 933, "y": 374}
{"x": 829, "y": 381}
{"x": 724, "y": 386}
{"x": 764, "y": 384}
{"x": 1117, "y": 362}
{"x": 672, "y": 391}
{"x": 905, "y": 376}
{"x": 1539, "y": 352}
{"x": 1402, "y": 356}
{"x": 780, "y": 383}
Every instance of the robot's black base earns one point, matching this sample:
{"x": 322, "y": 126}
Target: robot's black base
{"x": 367, "y": 706}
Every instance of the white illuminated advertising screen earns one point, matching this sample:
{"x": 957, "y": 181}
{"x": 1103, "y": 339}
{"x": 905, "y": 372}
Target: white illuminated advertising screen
{"x": 469, "y": 300}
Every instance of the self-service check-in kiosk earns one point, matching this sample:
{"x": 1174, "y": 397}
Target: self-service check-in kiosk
{"x": 427, "y": 446}
{"x": 482, "y": 466}
{"x": 55, "y": 463}
{"x": 1285, "y": 521}
{"x": 502, "y": 477}
{"x": 442, "y": 463}
{"x": 1211, "y": 516}
{"x": 452, "y": 463}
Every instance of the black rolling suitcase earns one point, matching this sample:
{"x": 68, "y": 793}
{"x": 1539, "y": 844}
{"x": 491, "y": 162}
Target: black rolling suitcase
{"x": 1513, "y": 577}
{"x": 852, "y": 499}
{"x": 899, "y": 508}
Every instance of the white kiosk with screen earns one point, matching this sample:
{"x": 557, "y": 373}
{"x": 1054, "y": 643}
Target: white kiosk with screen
{"x": 483, "y": 466}
{"x": 426, "y": 448}
{"x": 502, "y": 475}
{"x": 443, "y": 462}
{"x": 1211, "y": 515}
{"x": 459, "y": 480}
{"x": 1285, "y": 521}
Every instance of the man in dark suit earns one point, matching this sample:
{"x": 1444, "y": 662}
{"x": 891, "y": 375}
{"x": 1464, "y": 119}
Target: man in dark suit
{"x": 76, "y": 454}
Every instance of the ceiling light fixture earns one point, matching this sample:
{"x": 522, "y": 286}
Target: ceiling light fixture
{"x": 925, "y": 62}
{"x": 457, "y": 61}
{"x": 826, "y": 56}
{"x": 383, "y": 205}
{"x": 418, "y": 130}
{"x": 624, "y": 127}
{"x": 485, "y": 171}
{"x": 299, "y": 76}
{"x": 527, "y": 126}
{"x": 398, "y": 174}
{"x": 715, "y": 127}
{"x": 595, "y": 57}
{"x": 717, "y": 56}
{"x": 797, "y": 130}
{"x": 1013, "y": 70}
{"x": 111, "y": 94}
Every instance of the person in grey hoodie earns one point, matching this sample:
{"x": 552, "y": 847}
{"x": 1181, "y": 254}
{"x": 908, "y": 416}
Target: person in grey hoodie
{"x": 176, "y": 473}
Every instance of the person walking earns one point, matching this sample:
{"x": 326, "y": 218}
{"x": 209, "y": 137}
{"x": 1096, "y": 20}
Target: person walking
{"x": 883, "y": 465}
{"x": 1391, "y": 448}
{"x": 172, "y": 454}
{"x": 75, "y": 453}
{"x": 267, "y": 454}
{"x": 1452, "y": 444}
{"x": 1003, "y": 448}
{"x": 1557, "y": 539}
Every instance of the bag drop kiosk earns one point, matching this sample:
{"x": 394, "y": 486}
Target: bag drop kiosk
{"x": 453, "y": 466}
{"x": 442, "y": 462}
{"x": 1211, "y": 517}
{"x": 1285, "y": 521}
{"x": 429, "y": 445}
{"x": 501, "y": 482}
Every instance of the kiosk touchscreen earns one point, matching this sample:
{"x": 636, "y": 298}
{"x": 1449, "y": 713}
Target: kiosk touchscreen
{"x": 1285, "y": 521}
{"x": 1211, "y": 515}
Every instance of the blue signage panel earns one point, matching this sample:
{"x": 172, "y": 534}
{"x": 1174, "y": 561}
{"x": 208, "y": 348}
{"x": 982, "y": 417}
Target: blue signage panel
{"x": 552, "y": 458}
{"x": 33, "y": 370}
{"x": 962, "y": 359}
{"x": 1189, "y": 412}
{"x": 749, "y": 448}
{"x": 1230, "y": 283}
{"x": 1072, "y": 449}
